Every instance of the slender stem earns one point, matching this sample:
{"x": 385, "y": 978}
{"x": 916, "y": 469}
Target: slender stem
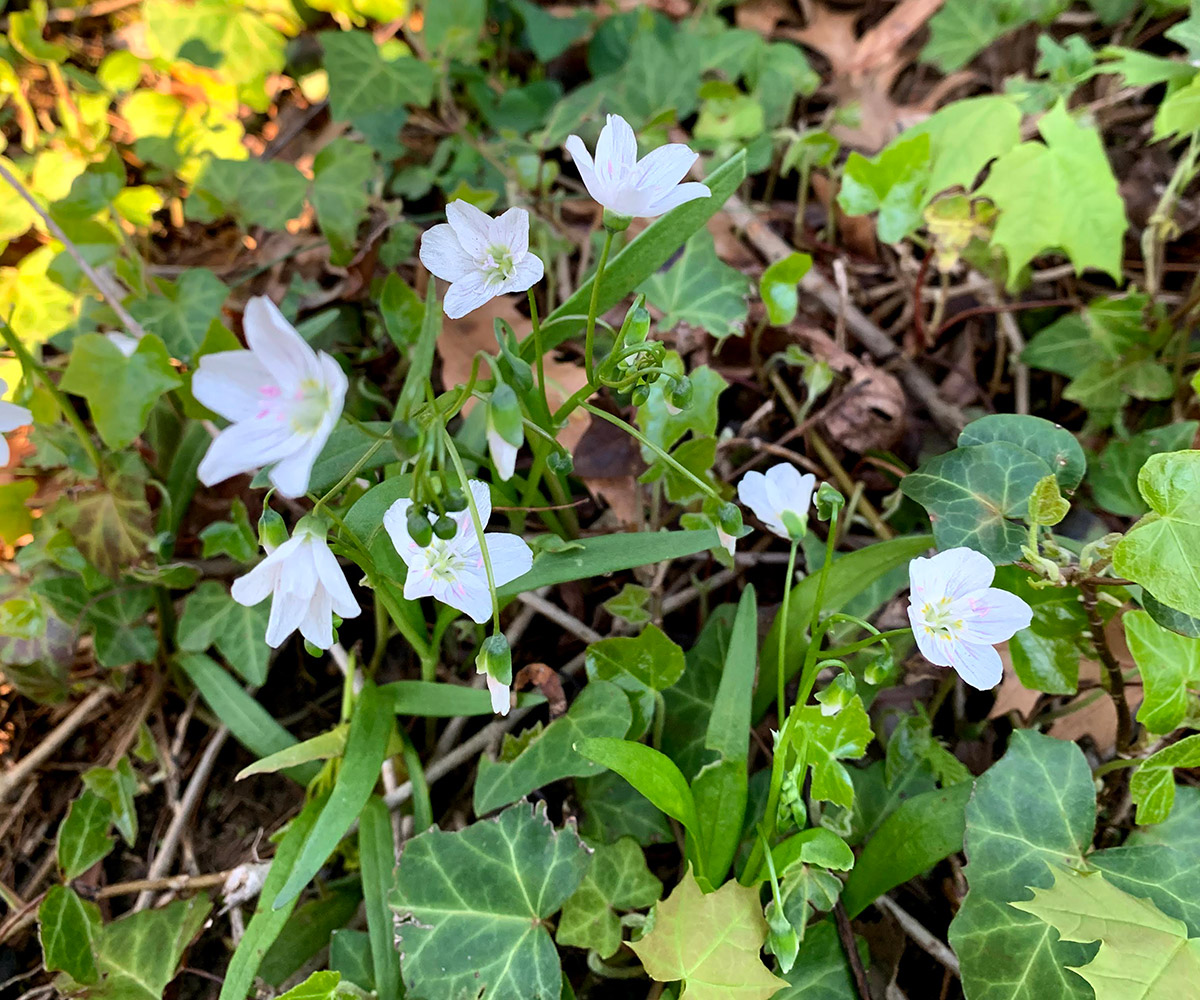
{"x": 349, "y": 476}
{"x": 537, "y": 347}
{"x": 33, "y": 368}
{"x": 576, "y": 399}
{"x": 616, "y": 421}
{"x": 422, "y": 807}
{"x": 780, "y": 679}
{"x": 1113, "y": 678}
{"x": 823, "y": 574}
{"x": 478, "y": 523}
{"x": 590, "y": 337}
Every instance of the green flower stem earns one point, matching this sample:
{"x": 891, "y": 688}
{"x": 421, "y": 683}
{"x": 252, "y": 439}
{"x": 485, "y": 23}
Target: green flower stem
{"x": 422, "y": 806}
{"x": 823, "y": 575}
{"x": 841, "y": 651}
{"x": 647, "y": 443}
{"x": 478, "y": 523}
{"x": 348, "y": 478}
{"x": 752, "y": 873}
{"x": 593, "y": 306}
{"x": 577, "y": 399}
{"x": 537, "y": 347}
{"x": 33, "y": 369}
{"x": 780, "y": 679}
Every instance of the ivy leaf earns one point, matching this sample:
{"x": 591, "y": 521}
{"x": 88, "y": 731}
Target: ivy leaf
{"x": 472, "y": 905}
{"x": 630, "y": 605}
{"x": 139, "y": 954}
{"x": 962, "y": 28}
{"x": 121, "y": 391}
{"x": 363, "y": 81}
{"x": 613, "y": 808}
{"x": 83, "y": 836}
{"x": 618, "y": 879}
{"x": 546, "y": 755}
{"x": 1058, "y": 195}
{"x": 110, "y": 523}
{"x": 650, "y": 658}
{"x": 1032, "y": 810}
{"x": 994, "y": 124}
{"x": 1169, "y": 664}
{"x": 255, "y": 192}
{"x": 211, "y": 617}
{"x": 830, "y": 739}
{"x": 710, "y": 941}
{"x": 1054, "y": 445}
{"x": 183, "y": 312}
{"x": 118, "y": 625}
{"x": 1159, "y": 552}
{"x": 340, "y": 174}
{"x": 701, "y": 290}
{"x": 978, "y": 496}
{"x": 66, "y": 926}
{"x": 234, "y": 538}
{"x": 893, "y": 183}
{"x": 1152, "y": 785}
{"x": 117, "y": 786}
{"x": 1113, "y": 477}
{"x": 1144, "y": 954}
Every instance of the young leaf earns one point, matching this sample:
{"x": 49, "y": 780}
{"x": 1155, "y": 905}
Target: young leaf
{"x": 1058, "y": 195}
{"x": 1152, "y": 786}
{"x": 1144, "y": 954}
{"x": 121, "y": 391}
{"x": 319, "y": 986}
{"x": 829, "y": 739}
{"x": 649, "y": 658}
{"x": 1159, "y": 551}
{"x": 602, "y": 709}
{"x": 83, "y": 836}
{"x": 778, "y": 287}
{"x": 701, "y": 290}
{"x": 117, "y": 786}
{"x": 893, "y": 183}
{"x": 366, "y": 747}
{"x": 473, "y": 902}
{"x": 710, "y": 941}
{"x": 618, "y": 879}
{"x": 1170, "y": 666}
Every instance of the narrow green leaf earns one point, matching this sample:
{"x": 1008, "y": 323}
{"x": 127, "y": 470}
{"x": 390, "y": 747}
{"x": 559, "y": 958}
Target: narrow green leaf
{"x": 366, "y": 746}
{"x": 323, "y": 747}
{"x": 412, "y": 393}
{"x": 377, "y": 855}
{"x": 437, "y": 700}
{"x": 650, "y": 772}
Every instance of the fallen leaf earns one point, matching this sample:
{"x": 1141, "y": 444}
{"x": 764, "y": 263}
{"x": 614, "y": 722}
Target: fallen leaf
{"x": 547, "y": 681}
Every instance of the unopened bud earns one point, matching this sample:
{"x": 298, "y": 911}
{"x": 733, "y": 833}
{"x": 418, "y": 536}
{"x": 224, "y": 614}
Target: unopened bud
{"x": 445, "y": 527}
{"x": 272, "y": 532}
{"x": 730, "y": 518}
{"x": 419, "y": 528}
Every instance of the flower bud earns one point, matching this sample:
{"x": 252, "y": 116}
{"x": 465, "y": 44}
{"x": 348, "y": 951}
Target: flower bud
{"x": 783, "y": 942}
{"x": 455, "y": 500}
{"x": 679, "y": 394}
{"x": 640, "y": 394}
{"x": 639, "y": 326}
{"x": 730, "y": 517}
{"x": 880, "y": 669}
{"x": 837, "y": 694}
{"x": 445, "y": 527}
{"x": 505, "y": 433}
{"x": 561, "y": 462}
{"x": 495, "y": 661}
{"x": 419, "y": 528}
{"x": 272, "y": 532}
{"x": 829, "y": 501}
{"x": 796, "y": 524}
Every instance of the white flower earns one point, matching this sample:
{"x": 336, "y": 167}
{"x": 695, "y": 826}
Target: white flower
{"x": 627, "y": 186}
{"x": 12, "y": 416}
{"x": 452, "y": 570}
{"x": 728, "y": 541}
{"x": 957, "y": 616}
{"x": 780, "y": 491}
{"x": 504, "y": 454}
{"x": 306, "y": 586}
{"x": 282, "y": 397}
{"x": 480, "y": 256}
{"x": 501, "y": 697}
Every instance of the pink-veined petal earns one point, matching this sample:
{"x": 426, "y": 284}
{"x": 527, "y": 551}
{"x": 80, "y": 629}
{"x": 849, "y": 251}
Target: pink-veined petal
{"x": 510, "y": 555}
{"x": 510, "y": 230}
{"x": 482, "y": 494}
{"x": 234, "y": 384}
{"x": 470, "y": 594}
{"x": 754, "y": 493}
{"x": 616, "y": 149}
{"x": 443, "y": 255}
{"x": 395, "y": 523}
{"x": 282, "y": 351}
{"x": 977, "y": 664}
{"x": 924, "y": 582}
{"x": 958, "y": 572}
{"x": 244, "y": 447}
{"x": 292, "y": 473}
{"x": 467, "y": 295}
{"x": 992, "y": 615}
{"x": 662, "y": 168}
{"x": 471, "y": 226}
{"x": 934, "y": 646}
{"x": 677, "y": 196}
{"x": 419, "y": 582}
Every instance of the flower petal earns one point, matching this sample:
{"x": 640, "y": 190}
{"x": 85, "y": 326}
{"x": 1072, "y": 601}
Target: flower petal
{"x": 471, "y": 226}
{"x": 256, "y": 586}
{"x": 292, "y": 473}
{"x": 960, "y": 571}
{"x": 754, "y": 493}
{"x": 395, "y": 523}
{"x": 467, "y": 295}
{"x": 471, "y": 596}
{"x": 443, "y": 255}
{"x": 282, "y": 351}
{"x": 333, "y": 580}
{"x": 317, "y": 624}
{"x": 287, "y": 612}
{"x": 244, "y": 447}
{"x": 510, "y": 555}
{"x": 934, "y": 646}
{"x": 978, "y": 665}
{"x": 993, "y": 615}
{"x": 13, "y": 416}
{"x": 616, "y": 150}
{"x": 527, "y": 272}
{"x": 501, "y": 697}
{"x": 234, "y": 384}
{"x": 510, "y": 230}
{"x": 677, "y": 196}
{"x": 587, "y": 169}
{"x": 504, "y": 455}
{"x": 661, "y": 169}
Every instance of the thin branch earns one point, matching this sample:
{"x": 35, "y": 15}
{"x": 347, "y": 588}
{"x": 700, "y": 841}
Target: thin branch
{"x": 15, "y": 775}
{"x": 917, "y": 931}
{"x": 1114, "y": 677}
{"x": 106, "y": 286}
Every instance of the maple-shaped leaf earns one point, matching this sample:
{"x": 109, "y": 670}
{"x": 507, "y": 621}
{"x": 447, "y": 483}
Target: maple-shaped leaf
{"x": 1144, "y": 954}
{"x": 711, "y": 942}
{"x": 1058, "y": 195}
{"x": 830, "y": 739}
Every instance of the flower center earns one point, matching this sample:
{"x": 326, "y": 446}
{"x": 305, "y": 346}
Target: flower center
{"x": 308, "y": 407}
{"x": 499, "y": 264}
{"x": 442, "y": 562}
{"x": 941, "y": 619}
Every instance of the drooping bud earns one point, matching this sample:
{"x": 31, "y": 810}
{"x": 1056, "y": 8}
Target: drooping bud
{"x": 272, "y": 532}
{"x": 730, "y": 517}
{"x": 679, "y": 395}
{"x": 561, "y": 462}
{"x": 505, "y": 433}
{"x": 837, "y": 694}
{"x": 495, "y": 661}
{"x": 419, "y": 528}
{"x": 445, "y": 527}
{"x": 828, "y": 501}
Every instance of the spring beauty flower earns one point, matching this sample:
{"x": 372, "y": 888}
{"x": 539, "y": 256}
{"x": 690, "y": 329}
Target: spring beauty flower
{"x": 958, "y": 617}
{"x": 306, "y": 586}
{"x": 452, "y": 569}
{"x": 780, "y": 498}
{"x": 12, "y": 416}
{"x": 480, "y": 256}
{"x": 282, "y": 397}
{"x": 630, "y": 187}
